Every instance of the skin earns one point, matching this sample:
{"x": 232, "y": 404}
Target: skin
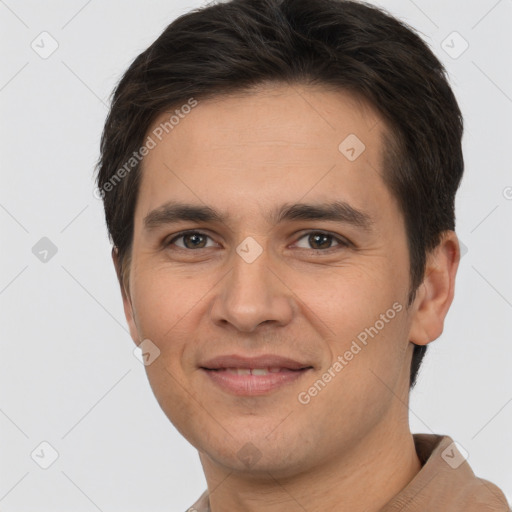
{"x": 245, "y": 155}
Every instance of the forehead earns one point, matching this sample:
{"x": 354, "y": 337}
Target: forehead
{"x": 273, "y": 144}
{"x": 270, "y": 115}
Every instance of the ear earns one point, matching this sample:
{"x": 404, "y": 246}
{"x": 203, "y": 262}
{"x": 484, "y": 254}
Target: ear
{"x": 127, "y": 303}
{"x": 435, "y": 295}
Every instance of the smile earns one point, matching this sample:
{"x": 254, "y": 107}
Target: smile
{"x": 253, "y": 381}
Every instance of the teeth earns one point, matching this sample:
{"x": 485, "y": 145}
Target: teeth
{"x": 253, "y": 371}
{"x": 239, "y": 371}
{"x": 259, "y": 371}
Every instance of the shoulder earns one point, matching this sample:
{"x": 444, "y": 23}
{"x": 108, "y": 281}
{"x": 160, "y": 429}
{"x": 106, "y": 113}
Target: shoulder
{"x": 480, "y": 495}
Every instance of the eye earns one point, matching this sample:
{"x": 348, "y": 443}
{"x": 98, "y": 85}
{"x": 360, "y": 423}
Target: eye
{"x": 191, "y": 240}
{"x": 318, "y": 240}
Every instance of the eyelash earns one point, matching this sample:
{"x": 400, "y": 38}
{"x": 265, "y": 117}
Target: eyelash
{"x": 341, "y": 242}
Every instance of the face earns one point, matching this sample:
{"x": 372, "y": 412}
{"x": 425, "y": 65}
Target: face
{"x": 263, "y": 228}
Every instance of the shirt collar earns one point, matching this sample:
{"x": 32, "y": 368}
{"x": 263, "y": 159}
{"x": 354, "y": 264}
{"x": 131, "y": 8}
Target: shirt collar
{"x": 445, "y": 482}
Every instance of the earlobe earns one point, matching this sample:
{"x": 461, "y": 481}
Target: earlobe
{"x": 435, "y": 295}
{"x": 127, "y": 304}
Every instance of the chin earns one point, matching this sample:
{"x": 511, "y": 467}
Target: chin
{"x": 255, "y": 454}
{"x": 249, "y": 460}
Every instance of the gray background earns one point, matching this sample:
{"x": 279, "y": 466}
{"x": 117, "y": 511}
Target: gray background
{"x": 68, "y": 375}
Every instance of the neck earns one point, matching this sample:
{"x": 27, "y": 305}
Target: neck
{"x": 375, "y": 469}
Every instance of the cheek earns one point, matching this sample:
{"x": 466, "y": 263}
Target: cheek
{"x": 363, "y": 377}
{"x": 362, "y": 318}
{"x": 163, "y": 300}
{"x": 346, "y": 300}
{"x": 167, "y": 309}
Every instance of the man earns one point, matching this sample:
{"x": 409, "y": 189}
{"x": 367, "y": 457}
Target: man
{"x": 279, "y": 181}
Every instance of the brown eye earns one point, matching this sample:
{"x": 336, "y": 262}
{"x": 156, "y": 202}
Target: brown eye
{"x": 191, "y": 240}
{"x": 318, "y": 240}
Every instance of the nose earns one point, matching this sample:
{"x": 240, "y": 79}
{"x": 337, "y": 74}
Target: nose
{"x": 252, "y": 294}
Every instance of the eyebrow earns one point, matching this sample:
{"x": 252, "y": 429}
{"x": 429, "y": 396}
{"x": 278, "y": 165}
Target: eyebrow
{"x": 338, "y": 211}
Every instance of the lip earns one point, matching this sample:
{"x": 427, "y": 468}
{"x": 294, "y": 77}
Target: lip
{"x": 253, "y": 385}
{"x": 263, "y": 361}
{"x": 218, "y": 371}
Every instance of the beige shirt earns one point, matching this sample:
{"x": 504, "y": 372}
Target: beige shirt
{"x": 445, "y": 483}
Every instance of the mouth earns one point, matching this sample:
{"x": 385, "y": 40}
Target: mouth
{"x": 253, "y": 376}
{"x": 255, "y": 371}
